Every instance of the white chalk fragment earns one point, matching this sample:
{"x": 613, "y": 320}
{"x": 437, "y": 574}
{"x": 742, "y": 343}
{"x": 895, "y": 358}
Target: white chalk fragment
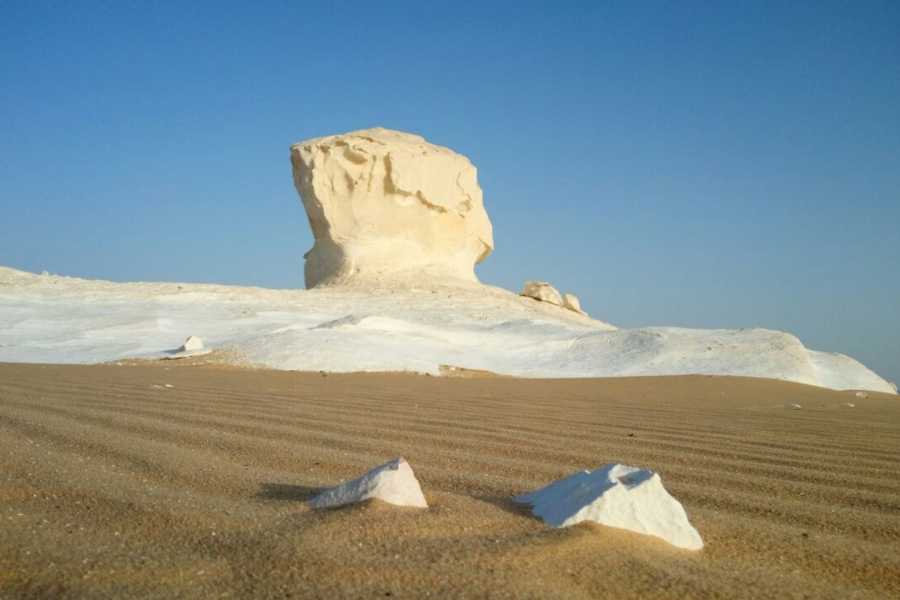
{"x": 393, "y": 482}
{"x": 192, "y": 343}
{"x": 862, "y": 395}
{"x": 796, "y": 406}
{"x": 850, "y": 404}
{"x": 192, "y": 346}
{"x": 615, "y": 495}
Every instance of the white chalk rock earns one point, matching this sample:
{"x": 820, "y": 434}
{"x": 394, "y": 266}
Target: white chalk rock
{"x": 192, "y": 346}
{"x": 571, "y": 302}
{"x": 543, "y": 291}
{"x": 393, "y": 482}
{"x": 385, "y": 205}
{"x": 192, "y": 343}
{"x": 617, "y": 496}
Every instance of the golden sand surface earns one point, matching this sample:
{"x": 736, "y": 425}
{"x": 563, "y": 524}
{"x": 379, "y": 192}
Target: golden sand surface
{"x": 114, "y": 485}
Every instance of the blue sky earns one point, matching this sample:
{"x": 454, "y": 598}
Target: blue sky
{"x": 673, "y": 163}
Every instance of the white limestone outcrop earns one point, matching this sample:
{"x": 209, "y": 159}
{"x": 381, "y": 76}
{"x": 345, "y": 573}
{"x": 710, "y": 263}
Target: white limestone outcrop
{"x": 387, "y": 206}
{"x": 393, "y": 482}
{"x": 54, "y": 319}
{"x": 543, "y": 291}
{"x": 617, "y": 496}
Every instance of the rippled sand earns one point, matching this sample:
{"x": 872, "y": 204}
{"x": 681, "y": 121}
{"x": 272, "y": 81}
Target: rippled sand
{"x": 112, "y": 484}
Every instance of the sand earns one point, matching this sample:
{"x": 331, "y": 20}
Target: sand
{"x": 113, "y": 485}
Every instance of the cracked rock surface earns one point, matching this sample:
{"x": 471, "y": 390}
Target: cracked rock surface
{"x": 388, "y": 206}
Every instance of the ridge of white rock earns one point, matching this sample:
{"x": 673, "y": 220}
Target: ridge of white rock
{"x": 393, "y": 482}
{"x": 615, "y": 495}
{"x": 386, "y": 205}
{"x": 54, "y": 319}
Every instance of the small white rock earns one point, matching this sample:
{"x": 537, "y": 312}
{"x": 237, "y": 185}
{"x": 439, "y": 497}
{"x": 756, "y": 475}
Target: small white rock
{"x": 862, "y": 395}
{"x": 192, "y": 346}
{"x": 796, "y": 406}
{"x": 571, "y": 302}
{"x": 192, "y": 343}
{"x": 617, "y": 496}
{"x": 543, "y": 291}
{"x": 393, "y": 482}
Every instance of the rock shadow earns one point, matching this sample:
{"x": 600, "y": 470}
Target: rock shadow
{"x": 507, "y": 504}
{"x": 288, "y": 492}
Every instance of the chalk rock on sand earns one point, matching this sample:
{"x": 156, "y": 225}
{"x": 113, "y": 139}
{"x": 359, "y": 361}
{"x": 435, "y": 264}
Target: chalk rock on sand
{"x": 618, "y": 496}
{"x": 393, "y": 482}
{"x": 387, "y": 205}
{"x": 543, "y": 291}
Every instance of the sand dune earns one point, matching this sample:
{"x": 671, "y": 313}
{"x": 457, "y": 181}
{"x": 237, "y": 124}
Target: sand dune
{"x": 115, "y": 485}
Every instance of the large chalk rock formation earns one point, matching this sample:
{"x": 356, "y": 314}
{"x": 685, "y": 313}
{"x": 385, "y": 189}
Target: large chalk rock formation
{"x": 389, "y": 206}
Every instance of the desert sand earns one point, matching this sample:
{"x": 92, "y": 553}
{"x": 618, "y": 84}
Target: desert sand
{"x": 115, "y": 485}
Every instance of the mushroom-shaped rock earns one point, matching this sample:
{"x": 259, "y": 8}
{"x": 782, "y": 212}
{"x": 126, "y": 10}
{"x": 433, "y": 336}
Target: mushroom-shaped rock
{"x": 543, "y": 291}
{"x": 617, "y": 496}
{"x": 393, "y": 482}
{"x": 387, "y": 206}
{"x": 571, "y": 302}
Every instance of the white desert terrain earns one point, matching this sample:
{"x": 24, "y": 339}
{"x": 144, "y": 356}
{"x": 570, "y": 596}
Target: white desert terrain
{"x": 51, "y": 319}
{"x": 399, "y": 225}
{"x": 197, "y": 477}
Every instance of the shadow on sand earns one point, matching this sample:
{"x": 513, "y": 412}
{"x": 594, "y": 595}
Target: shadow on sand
{"x": 287, "y": 491}
{"x": 507, "y": 504}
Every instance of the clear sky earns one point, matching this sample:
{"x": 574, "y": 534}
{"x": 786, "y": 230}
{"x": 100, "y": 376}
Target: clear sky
{"x": 724, "y": 164}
